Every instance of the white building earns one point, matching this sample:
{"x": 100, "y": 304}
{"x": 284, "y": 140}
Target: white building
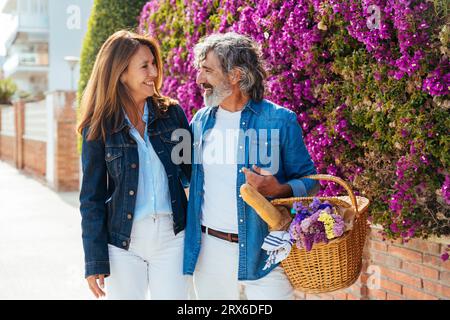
{"x": 43, "y": 33}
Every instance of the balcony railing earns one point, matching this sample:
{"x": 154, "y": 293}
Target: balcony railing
{"x": 28, "y": 23}
{"x": 25, "y": 59}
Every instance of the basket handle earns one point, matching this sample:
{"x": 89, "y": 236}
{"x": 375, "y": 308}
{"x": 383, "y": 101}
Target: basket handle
{"x": 339, "y": 181}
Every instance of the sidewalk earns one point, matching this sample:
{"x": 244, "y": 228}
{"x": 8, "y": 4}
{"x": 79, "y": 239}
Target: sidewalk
{"x": 41, "y": 254}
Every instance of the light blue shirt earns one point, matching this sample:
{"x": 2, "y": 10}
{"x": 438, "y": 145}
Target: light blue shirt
{"x": 153, "y": 195}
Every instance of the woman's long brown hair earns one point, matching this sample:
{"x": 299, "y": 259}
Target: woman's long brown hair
{"x": 105, "y": 95}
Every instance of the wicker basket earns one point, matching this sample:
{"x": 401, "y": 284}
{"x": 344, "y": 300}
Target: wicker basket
{"x": 337, "y": 264}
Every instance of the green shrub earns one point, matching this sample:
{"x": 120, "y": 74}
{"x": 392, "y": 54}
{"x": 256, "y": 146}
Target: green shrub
{"x": 7, "y": 89}
{"x": 107, "y": 17}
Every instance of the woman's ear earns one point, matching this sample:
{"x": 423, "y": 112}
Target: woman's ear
{"x": 122, "y": 78}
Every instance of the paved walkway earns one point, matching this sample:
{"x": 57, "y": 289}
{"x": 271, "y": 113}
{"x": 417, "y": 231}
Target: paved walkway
{"x": 41, "y": 254}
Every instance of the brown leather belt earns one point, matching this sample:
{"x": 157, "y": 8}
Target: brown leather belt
{"x": 232, "y": 237}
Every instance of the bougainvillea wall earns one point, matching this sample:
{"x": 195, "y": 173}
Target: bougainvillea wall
{"x": 369, "y": 81}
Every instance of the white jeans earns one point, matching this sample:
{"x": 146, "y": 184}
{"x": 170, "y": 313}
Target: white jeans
{"x": 216, "y": 275}
{"x": 153, "y": 265}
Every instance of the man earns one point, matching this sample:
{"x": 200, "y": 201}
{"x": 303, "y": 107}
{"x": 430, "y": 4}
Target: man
{"x": 233, "y": 137}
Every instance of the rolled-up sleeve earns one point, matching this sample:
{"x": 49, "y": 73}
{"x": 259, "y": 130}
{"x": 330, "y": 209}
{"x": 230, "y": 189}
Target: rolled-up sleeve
{"x": 297, "y": 160}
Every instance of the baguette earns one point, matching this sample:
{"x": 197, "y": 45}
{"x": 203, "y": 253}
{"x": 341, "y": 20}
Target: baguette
{"x": 277, "y": 218}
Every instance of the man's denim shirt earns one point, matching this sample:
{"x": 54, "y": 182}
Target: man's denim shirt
{"x": 110, "y": 181}
{"x": 294, "y": 163}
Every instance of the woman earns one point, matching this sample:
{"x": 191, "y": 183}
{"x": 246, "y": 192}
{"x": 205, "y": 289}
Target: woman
{"x": 132, "y": 200}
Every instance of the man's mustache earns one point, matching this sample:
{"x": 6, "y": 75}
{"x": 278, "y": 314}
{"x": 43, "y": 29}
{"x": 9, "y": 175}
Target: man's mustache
{"x": 207, "y": 86}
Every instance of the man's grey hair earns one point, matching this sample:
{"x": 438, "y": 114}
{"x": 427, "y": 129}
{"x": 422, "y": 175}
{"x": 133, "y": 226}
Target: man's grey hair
{"x": 236, "y": 51}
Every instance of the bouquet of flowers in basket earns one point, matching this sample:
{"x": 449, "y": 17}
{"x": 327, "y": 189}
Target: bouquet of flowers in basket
{"x": 317, "y": 223}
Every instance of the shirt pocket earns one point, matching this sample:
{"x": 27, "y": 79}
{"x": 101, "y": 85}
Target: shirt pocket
{"x": 114, "y": 161}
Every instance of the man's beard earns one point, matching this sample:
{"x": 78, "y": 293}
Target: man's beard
{"x": 218, "y": 94}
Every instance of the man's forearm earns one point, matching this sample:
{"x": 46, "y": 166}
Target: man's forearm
{"x": 283, "y": 191}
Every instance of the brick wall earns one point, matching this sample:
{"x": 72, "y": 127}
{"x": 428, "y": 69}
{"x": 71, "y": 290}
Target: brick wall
{"x": 19, "y": 120}
{"x": 7, "y": 148}
{"x": 34, "y": 158}
{"x": 27, "y": 149}
{"x": 7, "y": 131}
{"x": 66, "y": 158}
{"x": 395, "y": 270}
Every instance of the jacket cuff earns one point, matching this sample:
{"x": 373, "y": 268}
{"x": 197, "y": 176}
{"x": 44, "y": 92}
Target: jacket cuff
{"x": 298, "y": 188}
{"x": 96, "y": 267}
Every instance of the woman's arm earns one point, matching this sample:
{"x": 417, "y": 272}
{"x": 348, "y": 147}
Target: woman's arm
{"x": 92, "y": 207}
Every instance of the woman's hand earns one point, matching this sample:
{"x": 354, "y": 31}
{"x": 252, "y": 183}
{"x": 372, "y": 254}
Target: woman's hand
{"x": 94, "y": 286}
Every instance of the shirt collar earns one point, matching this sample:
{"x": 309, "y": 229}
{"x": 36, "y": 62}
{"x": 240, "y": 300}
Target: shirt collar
{"x": 144, "y": 116}
{"x": 250, "y": 105}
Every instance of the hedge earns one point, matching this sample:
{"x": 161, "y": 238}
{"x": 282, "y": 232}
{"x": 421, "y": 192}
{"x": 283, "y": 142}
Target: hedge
{"x": 372, "y": 99}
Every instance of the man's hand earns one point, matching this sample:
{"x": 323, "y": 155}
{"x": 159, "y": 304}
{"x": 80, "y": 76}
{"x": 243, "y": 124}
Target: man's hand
{"x": 94, "y": 286}
{"x": 266, "y": 184}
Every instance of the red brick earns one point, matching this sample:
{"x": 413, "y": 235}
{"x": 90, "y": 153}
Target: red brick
{"x": 377, "y": 245}
{"x": 340, "y": 296}
{"x": 414, "y": 294}
{"x": 325, "y": 296}
{"x": 444, "y": 277}
{"x": 391, "y": 296}
{"x": 35, "y": 157}
{"x": 398, "y": 242}
{"x": 437, "y": 289}
{"x": 377, "y": 294}
{"x": 375, "y": 234}
{"x": 356, "y": 289}
{"x": 401, "y": 277}
{"x": 354, "y": 297}
{"x": 362, "y": 278}
{"x": 7, "y": 148}
{"x": 387, "y": 260}
{"x": 318, "y": 297}
{"x": 421, "y": 270}
{"x": 406, "y": 254}
{"x": 436, "y": 262}
{"x": 391, "y": 286}
{"x": 425, "y": 246}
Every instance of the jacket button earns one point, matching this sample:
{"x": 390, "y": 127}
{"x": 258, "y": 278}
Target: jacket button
{"x": 131, "y": 193}
{"x": 124, "y": 243}
{"x": 129, "y": 216}
{"x": 108, "y": 155}
{"x": 133, "y": 165}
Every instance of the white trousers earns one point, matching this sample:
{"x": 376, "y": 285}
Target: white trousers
{"x": 216, "y": 275}
{"x": 153, "y": 265}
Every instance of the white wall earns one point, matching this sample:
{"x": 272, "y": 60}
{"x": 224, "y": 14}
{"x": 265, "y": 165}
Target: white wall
{"x": 36, "y": 121}
{"x": 7, "y": 125}
{"x": 68, "y": 25}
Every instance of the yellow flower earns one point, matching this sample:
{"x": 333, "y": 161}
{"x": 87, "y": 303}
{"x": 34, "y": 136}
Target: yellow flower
{"x": 328, "y": 222}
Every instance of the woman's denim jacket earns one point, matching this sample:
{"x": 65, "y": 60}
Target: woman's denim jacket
{"x": 110, "y": 181}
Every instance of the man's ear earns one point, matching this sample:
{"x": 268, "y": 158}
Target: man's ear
{"x": 235, "y": 76}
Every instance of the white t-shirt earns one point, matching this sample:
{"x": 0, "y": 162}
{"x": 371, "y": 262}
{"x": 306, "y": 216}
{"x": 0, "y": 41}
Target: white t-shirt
{"x": 219, "y": 151}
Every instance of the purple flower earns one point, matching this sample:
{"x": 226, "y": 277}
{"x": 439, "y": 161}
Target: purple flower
{"x": 321, "y": 76}
{"x": 394, "y": 228}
